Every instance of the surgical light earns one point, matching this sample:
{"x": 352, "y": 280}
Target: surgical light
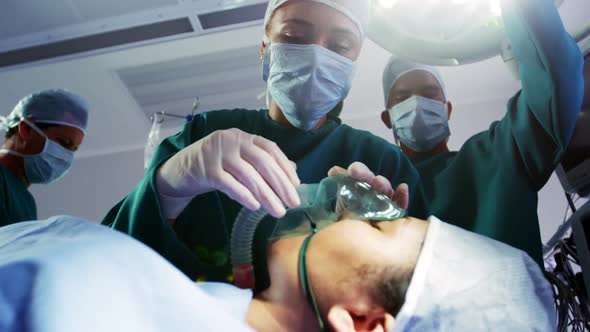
{"x": 439, "y": 32}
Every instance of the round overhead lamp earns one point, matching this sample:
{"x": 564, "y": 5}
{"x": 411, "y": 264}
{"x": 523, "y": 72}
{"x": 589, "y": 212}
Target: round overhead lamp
{"x": 440, "y": 32}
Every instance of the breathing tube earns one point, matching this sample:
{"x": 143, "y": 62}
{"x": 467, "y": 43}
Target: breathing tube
{"x": 242, "y": 238}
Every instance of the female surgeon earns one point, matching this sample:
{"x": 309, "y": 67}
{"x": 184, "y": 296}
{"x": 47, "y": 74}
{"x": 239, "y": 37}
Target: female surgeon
{"x": 185, "y": 206}
{"x": 42, "y": 133}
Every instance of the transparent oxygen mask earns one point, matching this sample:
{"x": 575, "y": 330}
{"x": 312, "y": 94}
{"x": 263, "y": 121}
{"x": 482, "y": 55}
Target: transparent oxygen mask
{"x": 334, "y": 199}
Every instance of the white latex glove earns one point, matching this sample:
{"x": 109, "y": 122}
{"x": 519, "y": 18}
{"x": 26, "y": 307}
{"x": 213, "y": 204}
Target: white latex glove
{"x": 360, "y": 171}
{"x": 249, "y": 169}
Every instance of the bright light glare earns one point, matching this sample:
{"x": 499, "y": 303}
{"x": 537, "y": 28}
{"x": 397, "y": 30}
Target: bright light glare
{"x": 495, "y": 8}
{"x": 494, "y": 5}
{"x": 387, "y": 4}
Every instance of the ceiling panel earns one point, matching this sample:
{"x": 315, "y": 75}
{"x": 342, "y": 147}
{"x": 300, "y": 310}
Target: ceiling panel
{"x": 92, "y": 9}
{"x": 217, "y": 62}
{"x": 221, "y": 80}
{"x": 21, "y": 17}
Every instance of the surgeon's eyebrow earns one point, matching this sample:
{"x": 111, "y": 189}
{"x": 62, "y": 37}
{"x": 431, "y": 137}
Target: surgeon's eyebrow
{"x": 346, "y": 32}
{"x": 429, "y": 89}
{"x": 298, "y": 21}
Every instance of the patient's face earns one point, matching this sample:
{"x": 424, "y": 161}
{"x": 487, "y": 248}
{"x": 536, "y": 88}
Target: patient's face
{"x": 309, "y": 22}
{"x": 353, "y": 243}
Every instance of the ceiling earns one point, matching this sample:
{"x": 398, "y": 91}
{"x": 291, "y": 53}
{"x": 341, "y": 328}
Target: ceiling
{"x": 126, "y": 83}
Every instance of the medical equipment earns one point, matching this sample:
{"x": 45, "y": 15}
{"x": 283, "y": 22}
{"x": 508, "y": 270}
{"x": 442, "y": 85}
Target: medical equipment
{"x": 574, "y": 170}
{"x": 444, "y": 33}
{"x": 563, "y": 261}
{"x": 333, "y": 199}
{"x": 304, "y": 280}
{"x": 154, "y": 138}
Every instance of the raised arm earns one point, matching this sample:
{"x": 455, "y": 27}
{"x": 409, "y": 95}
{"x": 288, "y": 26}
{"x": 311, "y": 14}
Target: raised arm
{"x": 543, "y": 115}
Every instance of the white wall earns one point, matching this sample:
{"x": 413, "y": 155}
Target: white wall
{"x": 91, "y": 187}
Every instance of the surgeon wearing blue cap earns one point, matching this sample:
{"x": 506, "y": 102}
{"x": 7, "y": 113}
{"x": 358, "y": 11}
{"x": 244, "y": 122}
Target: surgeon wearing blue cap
{"x": 490, "y": 185}
{"x": 223, "y": 160}
{"x": 42, "y": 133}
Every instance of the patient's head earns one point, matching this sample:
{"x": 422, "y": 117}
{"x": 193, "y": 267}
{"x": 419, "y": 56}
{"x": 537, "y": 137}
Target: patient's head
{"x": 327, "y": 267}
{"x": 408, "y": 274}
{"x": 358, "y": 271}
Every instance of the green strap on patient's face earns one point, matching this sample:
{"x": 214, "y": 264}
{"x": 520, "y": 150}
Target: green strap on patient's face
{"x": 304, "y": 280}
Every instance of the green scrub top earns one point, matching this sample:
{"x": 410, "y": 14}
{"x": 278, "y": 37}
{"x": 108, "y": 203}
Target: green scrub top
{"x": 16, "y": 202}
{"x": 198, "y": 244}
{"x": 490, "y": 186}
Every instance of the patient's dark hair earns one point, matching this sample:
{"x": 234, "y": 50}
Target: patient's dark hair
{"x": 387, "y": 287}
{"x": 390, "y": 288}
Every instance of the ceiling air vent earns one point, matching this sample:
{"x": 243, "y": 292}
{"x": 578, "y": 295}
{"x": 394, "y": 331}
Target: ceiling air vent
{"x": 233, "y": 16}
{"x": 221, "y": 80}
{"x": 96, "y": 42}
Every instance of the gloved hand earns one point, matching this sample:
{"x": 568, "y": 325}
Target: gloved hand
{"x": 249, "y": 169}
{"x": 360, "y": 171}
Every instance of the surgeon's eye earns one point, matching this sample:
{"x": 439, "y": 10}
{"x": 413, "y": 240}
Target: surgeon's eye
{"x": 340, "y": 48}
{"x": 66, "y": 143}
{"x": 290, "y": 37}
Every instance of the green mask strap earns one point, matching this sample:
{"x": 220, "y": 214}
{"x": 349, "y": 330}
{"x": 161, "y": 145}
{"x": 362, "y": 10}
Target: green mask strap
{"x": 304, "y": 280}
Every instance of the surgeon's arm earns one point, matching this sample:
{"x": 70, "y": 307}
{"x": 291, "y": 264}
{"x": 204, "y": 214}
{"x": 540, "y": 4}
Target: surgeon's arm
{"x": 140, "y": 215}
{"x": 542, "y": 117}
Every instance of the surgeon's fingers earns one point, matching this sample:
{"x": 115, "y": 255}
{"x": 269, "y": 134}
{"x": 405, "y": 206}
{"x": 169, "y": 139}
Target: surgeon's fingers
{"x": 401, "y": 196}
{"x": 275, "y": 152}
{"x": 229, "y": 185}
{"x": 337, "y": 170}
{"x": 248, "y": 176}
{"x": 273, "y": 174}
{"x": 382, "y": 185}
{"x": 360, "y": 172}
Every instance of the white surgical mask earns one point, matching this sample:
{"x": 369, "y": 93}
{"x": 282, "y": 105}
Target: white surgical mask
{"x": 306, "y": 81}
{"x": 420, "y": 123}
{"x": 49, "y": 165}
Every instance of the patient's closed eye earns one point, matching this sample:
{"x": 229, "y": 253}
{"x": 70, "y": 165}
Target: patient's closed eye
{"x": 374, "y": 224}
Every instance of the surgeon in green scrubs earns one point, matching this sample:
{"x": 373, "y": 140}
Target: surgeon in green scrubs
{"x": 42, "y": 133}
{"x": 490, "y": 185}
{"x": 186, "y": 205}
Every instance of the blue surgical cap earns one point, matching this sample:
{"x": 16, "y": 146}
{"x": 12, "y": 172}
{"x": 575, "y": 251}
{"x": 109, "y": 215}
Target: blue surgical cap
{"x": 55, "y": 106}
{"x": 398, "y": 67}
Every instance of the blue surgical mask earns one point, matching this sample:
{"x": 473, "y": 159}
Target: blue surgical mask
{"x": 306, "y": 81}
{"x": 420, "y": 123}
{"x": 49, "y": 165}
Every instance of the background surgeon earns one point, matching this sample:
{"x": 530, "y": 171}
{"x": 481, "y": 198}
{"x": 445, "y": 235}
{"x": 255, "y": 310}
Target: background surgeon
{"x": 186, "y": 204}
{"x": 490, "y": 185}
{"x": 43, "y": 131}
